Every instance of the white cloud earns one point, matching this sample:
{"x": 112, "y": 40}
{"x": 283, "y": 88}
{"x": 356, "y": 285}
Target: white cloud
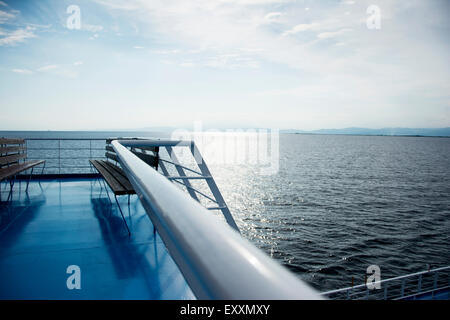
{"x": 175, "y": 51}
{"x": 231, "y": 61}
{"x": 3, "y": 4}
{"x": 119, "y": 5}
{"x": 5, "y": 16}
{"x": 332, "y": 34}
{"x": 91, "y": 27}
{"x": 22, "y": 71}
{"x": 272, "y": 17}
{"x": 376, "y": 66}
{"x": 65, "y": 71}
{"x": 95, "y": 36}
{"x": 47, "y": 68}
{"x": 16, "y": 36}
{"x": 187, "y": 64}
{"x": 78, "y": 63}
{"x": 301, "y": 27}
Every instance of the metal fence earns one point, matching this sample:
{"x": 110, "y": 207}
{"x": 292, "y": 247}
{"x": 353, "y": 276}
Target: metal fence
{"x": 65, "y": 156}
{"x": 429, "y": 284}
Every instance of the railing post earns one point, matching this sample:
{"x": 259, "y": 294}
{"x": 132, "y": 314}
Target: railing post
{"x": 419, "y": 285}
{"x": 59, "y": 156}
{"x": 434, "y": 284}
{"x": 181, "y": 172}
{"x": 402, "y": 291}
{"x": 212, "y": 185}
{"x": 448, "y": 280}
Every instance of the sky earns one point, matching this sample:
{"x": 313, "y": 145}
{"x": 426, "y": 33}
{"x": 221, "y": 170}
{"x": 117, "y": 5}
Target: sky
{"x": 285, "y": 64}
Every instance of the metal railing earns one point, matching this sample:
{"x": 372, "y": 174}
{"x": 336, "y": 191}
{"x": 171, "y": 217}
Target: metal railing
{"x": 215, "y": 260}
{"x": 419, "y": 285}
{"x": 65, "y": 155}
{"x": 184, "y": 180}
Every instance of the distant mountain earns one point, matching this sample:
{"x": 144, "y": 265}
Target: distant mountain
{"x": 429, "y": 132}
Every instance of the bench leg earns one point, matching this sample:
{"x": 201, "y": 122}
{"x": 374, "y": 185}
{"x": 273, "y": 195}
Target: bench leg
{"x": 11, "y": 185}
{"x": 1, "y": 187}
{"x": 106, "y": 189}
{"x": 40, "y": 177}
{"x": 42, "y": 172}
{"x": 117, "y": 202}
{"x": 129, "y": 210}
{"x": 28, "y": 182}
{"x": 129, "y": 233}
{"x": 101, "y": 187}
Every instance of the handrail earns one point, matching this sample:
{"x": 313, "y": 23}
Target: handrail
{"x": 215, "y": 260}
{"x": 387, "y": 280}
{"x": 59, "y": 164}
{"x": 66, "y": 139}
{"x": 410, "y": 286}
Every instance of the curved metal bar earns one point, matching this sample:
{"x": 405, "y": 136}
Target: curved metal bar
{"x": 215, "y": 260}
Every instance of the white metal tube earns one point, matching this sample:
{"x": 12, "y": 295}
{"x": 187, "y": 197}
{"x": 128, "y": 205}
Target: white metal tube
{"x": 215, "y": 260}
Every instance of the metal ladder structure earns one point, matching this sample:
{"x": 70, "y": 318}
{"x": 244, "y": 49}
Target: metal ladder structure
{"x": 185, "y": 180}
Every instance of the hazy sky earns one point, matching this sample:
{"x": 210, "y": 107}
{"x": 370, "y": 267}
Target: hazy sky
{"x": 229, "y": 63}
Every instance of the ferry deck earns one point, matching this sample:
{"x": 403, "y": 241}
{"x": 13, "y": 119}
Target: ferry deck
{"x": 159, "y": 243}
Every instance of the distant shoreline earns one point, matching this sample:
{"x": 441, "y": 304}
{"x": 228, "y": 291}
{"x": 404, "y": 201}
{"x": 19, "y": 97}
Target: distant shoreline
{"x": 365, "y": 135}
{"x": 12, "y": 133}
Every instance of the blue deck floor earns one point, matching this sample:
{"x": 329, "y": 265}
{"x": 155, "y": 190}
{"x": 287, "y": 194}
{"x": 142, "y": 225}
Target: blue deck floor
{"x": 65, "y": 222}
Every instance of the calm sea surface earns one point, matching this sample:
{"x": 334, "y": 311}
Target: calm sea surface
{"x": 337, "y": 204}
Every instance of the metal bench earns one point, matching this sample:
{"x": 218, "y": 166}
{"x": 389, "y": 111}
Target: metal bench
{"x": 114, "y": 176}
{"x": 13, "y": 160}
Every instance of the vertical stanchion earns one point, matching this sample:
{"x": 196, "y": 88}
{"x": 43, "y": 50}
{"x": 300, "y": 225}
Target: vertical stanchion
{"x": 434, "y": 284}
{"x": 59, "y": 156}
{"x": 402, "y": 290}
{"x": 419, "y": 284}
